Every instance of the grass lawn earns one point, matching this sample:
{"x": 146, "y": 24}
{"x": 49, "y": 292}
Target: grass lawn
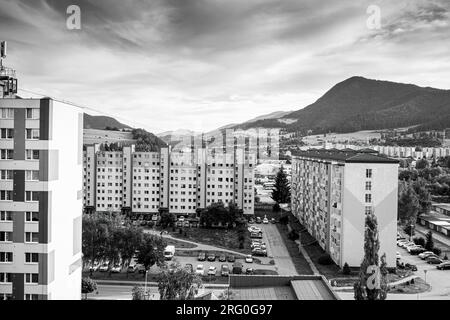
{"x": 300, "y": 263}
{"x": 221, "y": 238}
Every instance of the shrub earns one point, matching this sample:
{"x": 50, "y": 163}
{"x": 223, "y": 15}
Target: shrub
{"x": 284, "y": 219}
{"x": 437, "y": 251}
{"x": 276, "y": 208}
{"x": 293, "y": 235}
{"x": 407, "y": 230}
{"x": 325, "y": 260}
{"x": 346, "y": 269}
{"x": 445, "y": 257}
{"x": 419, "y": 241}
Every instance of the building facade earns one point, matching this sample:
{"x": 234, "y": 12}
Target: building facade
{"x": 41, "y": 198}
{"x": 179, "y": 181}
{"x": 332, "y": 191}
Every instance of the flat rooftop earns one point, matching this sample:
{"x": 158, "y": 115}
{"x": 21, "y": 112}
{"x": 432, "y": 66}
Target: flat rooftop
{"x": 271, "y": 287}
{"x": 345, "y": 155}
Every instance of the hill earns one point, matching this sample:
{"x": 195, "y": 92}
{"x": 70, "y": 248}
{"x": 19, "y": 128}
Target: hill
{"x": 364, "y": 104}
{"x": 102, "y": 122}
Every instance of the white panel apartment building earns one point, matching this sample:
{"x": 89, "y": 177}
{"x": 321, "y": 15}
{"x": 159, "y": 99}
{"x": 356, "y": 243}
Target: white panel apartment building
{"x": 332, "y": 191}
{"x": 40, "y": 199}
{"x": 178, "y": 181}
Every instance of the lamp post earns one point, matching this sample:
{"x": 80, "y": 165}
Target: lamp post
{"x": 145, "y": 290}
{"x": 425, "y": 272}
{"x": 411, "y": 232}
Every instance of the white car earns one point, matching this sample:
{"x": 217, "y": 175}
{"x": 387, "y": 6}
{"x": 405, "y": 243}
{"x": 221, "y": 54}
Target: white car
{"x": 181, "y": 219}
{"x": 426, "y": 254}
{"x": 409, "y": 248}
{"x": 104, "y": 267}
{"x": 398, "y": 256}
{"x": 116, "y": 268}
{"x": 94, "y": 267}
{"x": 200, "y": 270}
{"x": 212, "y": 271}
{"x": 265, "y": 221}
{"x": 249, "y": 259}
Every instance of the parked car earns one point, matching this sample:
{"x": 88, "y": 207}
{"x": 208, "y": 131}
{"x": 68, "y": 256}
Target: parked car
{"x": 200, "y": 270}
{"x": 141, "y": 268}
{"x": 201, "y": 256}
{"x": 212, "y": 271}
{"x": 222, "y": 258}
{"x": 181, "y": 219}
{"x": 273, "y": 220}
{"x": 257, "y": 235}
{"x": 225, "y": 270}
{"x": 132, "y": 268}
{"x": 249, "y": 258}
{"x": 117, "y": 268}
{"x": 411, "y": 266}
{"x": 211, "y": 257}
{"x": 398, "y": 256}
{"x": 251, "y": 221}
{"x": 433, "y": 260}
{"x": 426, "y": 254}
{"x": 443, "y": 265}
{"x": 230, "y": 258}
{"x": 254, "y": 229}
{"x": 416, "y": 250}
{"x": 259, "y": 252}
{"x": 258, "y": 220}
{"x": 104, "y": 267}
{"x": 265, "y": 220}
{"x": 409, "y": 248}
{"x": 249, "y": 271}
{"x": 94, "y": 267}
{"x": 189, "y": 267}
{"x": 186, "y": 224}
{"x": 237, "y": 268}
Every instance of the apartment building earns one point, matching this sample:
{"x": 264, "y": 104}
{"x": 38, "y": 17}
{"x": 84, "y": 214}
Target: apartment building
{"x": 180, "y": 181}
{"x": 40, "y": 199}
{"x": 333, "y": 190}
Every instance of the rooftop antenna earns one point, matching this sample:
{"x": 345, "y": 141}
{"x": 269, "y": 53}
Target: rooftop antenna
{"x": 8, "y": 80}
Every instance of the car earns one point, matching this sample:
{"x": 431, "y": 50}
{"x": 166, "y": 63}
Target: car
{"x": 254, "y": 229}
{"x": 401, "y": 243}
{"x": 132, "y": 268}
{"x": 104, "y": 267}
{"x": 258, "y": 220}
{"x": 257, "y": 235}
{"x": 249, "y": 271}
{"x": 411, "y": 266}
{"x": 141, "y": 268}
{"x": 443, "y": 265}
{"x": 117, "y": 268}
{"x": 201, "y": 256}
{"x": 433, "y": 260}
{"x": 265, "y": 220}
{"x": 186, "y": 224}
{"x": 200, "y": 270}
{"x": 189, "y": 267}
{"x": 404, "y": 244}
{"x": 273, "y": 220}
{"x": 225, "y": 270}
{"x": 251, "y": 221}
{"x": 222, "y": 258}
{"x": 237, "y": 268}
{"x": 181, "y": 219}
{"x": 231, "y": 258}
{"x": 212, "y": 271}
{"x": 416, "y": 250}
{"x": 259, "y": 252}
{"x": 94, "y": 267}
{"x": 211, "y": 257}
{"x": 426, "y": 254}
{"x": 408, "y": 248}
{"x": 249, "y": 258}
{"x": 398, "y": 256}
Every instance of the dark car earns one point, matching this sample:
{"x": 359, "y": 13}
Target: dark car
{"x": 417, "y": 251}
{"x": 230, "y": 258}
{"x": 273, "y": 220}
{"x": 411, "y": 266}
{"x": 259, "y": 252}
{"x": 201, "y": 256}
{"x": 433, "y": 260}
{"x": 222, "y": 258}
{"x": 258, "y": 220}
{"x": 251, "y": 221}
{"x": 211, "y": 257}
{"x": 189, "y": 267}
{"x": 249, "y": 271}
{"x": 443, "y": 265}
{"x": 237, "y": 268}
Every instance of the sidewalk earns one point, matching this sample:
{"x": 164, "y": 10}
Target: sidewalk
{"x": 390, "y": 284}
{"x": 307, "y": 258}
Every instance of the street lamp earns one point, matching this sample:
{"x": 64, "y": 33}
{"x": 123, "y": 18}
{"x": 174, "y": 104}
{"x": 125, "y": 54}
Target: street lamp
{"x": 145, "y": 290}
{"x": 425, "y": 271}
{"x": 411, "y": 232}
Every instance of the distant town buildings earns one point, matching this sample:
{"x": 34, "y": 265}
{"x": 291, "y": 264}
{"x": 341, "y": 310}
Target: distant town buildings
{"x": 177, "y": 181}
{"x": 333, "y": 190}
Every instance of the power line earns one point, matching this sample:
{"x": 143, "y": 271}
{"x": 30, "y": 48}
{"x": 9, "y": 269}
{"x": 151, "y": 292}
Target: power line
{"x": 89, "y": 108}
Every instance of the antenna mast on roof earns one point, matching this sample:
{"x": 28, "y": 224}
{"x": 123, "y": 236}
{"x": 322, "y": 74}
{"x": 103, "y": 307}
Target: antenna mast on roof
{"x": 8, "y": 80}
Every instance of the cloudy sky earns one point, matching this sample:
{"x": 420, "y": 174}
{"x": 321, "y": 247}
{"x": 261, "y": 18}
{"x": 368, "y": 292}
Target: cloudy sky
{"x": 202, "y": 64}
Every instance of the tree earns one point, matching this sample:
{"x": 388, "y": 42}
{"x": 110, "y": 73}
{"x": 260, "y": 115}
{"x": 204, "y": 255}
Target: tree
{"x": 178, "y": 283}
{"x": 281, "y": 192}
{"x": 423, "y": 195}
{"x": 422, "y": 164}
{"x": 167, "y": 219}
{"x": 429, "y": 244}
{"x": 408, "y": 206}
{"x": 129, "y": 240}
{"x": 88, "y": 286}
{"x": 372, "y": 284}
{"x": 151, "y": 251}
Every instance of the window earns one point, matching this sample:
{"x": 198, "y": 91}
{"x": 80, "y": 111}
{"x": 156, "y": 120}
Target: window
{"x": 5, "y": 236}
{"x": 6, "y": 195}
{"x": 31, "y": 196}
{"x": 6, "y": 175}
{"x": 7, "y": 113}
{"x": 6, "y": 133}
{"x": 368, "y": 198}
{"x": 32, "y": 278}
{"x": 5, "y": 216}
{"x": 31, "y": 216}
{"x": 31, "y": 297}
{"x": 31, "y": 257}
{"x": 32, "y": 113}
{"x": 368, "y": 210}
{"x": 6, "y": 154}
{"x": 32, "y": 237}
{"x": 368, "y": 186}
{"x": 368, "y": 173}
{"x": 6, "y": 257}
{"x": 32, "y": 134}
{"x": 5, "y": 277}
{"x": 32, "y": 175}
{"x": 32, "y": 154}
